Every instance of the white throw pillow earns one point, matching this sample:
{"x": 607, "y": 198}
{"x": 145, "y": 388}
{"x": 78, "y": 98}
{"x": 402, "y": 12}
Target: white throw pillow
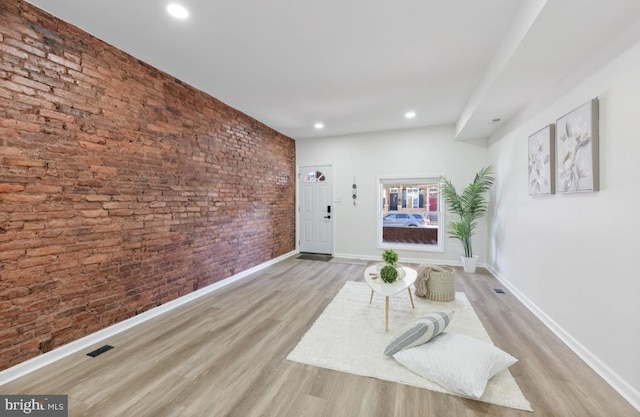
{"x": 459, "y": 363}
{"x": 419, "y": 331}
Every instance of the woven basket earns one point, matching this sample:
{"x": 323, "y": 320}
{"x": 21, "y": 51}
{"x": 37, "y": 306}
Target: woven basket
{"x": 441, "y": 284}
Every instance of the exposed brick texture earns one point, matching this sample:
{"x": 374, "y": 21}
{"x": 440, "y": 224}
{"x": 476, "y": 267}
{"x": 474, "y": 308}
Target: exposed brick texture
{"x": 410, "y": 235}
{"x": 121, "y": 188}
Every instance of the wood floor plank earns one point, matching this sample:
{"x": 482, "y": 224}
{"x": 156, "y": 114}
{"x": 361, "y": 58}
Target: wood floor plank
{"x": 224, "y": 354}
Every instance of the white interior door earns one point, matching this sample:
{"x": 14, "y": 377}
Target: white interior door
{"x": 316, "y": 211}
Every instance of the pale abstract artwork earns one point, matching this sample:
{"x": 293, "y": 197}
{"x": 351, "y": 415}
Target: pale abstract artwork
{"x": 577, "y": 149}
{"x": 541, "y": 161}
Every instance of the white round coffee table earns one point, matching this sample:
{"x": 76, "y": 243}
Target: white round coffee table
{"x": 372, "y": 277}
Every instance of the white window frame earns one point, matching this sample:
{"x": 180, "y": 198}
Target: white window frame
{"x": 387, "y": 180}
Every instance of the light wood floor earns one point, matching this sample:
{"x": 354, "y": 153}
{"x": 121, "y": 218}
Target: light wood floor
{"x": 224, "y": 355}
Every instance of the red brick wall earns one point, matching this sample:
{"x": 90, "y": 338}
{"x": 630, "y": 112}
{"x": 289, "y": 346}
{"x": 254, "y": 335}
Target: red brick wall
{"x": 121, "y": 188}
{"x": 425, "y": 235}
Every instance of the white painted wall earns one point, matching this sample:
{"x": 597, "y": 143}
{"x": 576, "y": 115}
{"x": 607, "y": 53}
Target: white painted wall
{"x": 574, "y": 257}
{"x": 428, "y": 151}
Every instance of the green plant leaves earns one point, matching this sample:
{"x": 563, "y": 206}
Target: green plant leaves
{"x": 390, "y": 256}
{"x": 470, "y": 205}
{"x": 389, "y": 273}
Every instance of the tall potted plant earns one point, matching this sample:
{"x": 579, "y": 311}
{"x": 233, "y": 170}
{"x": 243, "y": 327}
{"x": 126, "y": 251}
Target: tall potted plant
{"x": 469, "y": 206}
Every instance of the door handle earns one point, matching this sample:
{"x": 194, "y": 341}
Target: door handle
{"x": 327, "y": 217}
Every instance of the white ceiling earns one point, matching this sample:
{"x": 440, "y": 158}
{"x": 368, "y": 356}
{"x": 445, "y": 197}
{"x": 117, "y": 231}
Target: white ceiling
{"x": 359, "y": 65}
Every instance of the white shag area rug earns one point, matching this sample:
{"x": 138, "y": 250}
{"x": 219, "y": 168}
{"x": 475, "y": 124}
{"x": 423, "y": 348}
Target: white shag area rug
{"x": 349, "y": 336}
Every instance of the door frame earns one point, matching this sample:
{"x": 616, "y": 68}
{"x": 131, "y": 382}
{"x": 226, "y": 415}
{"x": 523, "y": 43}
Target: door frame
{"x": 299, "y": 179}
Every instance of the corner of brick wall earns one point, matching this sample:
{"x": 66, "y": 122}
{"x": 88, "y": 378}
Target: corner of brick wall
{"x": 121, "y": 188}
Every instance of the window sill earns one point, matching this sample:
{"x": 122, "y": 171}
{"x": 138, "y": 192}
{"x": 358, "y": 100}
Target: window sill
{"x": 411, "y": 247}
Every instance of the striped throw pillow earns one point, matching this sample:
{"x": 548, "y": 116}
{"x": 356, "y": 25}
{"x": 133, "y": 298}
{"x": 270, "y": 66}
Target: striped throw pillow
{"x": 420, "y": 331}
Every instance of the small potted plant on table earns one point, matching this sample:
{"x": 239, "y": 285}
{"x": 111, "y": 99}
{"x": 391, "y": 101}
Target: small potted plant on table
{"x": 391, "y": 270}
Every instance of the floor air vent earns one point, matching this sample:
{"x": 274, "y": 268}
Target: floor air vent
{"x": 99, "y": 351}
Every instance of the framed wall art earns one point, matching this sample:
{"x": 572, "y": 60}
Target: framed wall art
{"x": 542, "y": 161}
{"x": 577, "y": 148}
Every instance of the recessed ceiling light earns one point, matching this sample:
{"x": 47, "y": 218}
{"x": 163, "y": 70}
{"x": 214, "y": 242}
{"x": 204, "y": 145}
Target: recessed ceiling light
{"x": 319, "y": 125}
{"x": 177, "y": 11}
{"x": 410, "y": 115}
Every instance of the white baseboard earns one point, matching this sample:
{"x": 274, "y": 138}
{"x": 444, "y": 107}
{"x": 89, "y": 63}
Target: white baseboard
{"x": 404, "y": 259}
{"x": 355, "y": 256}
{"x": 31, "y": 365}
{"x": 611, "y": 377}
